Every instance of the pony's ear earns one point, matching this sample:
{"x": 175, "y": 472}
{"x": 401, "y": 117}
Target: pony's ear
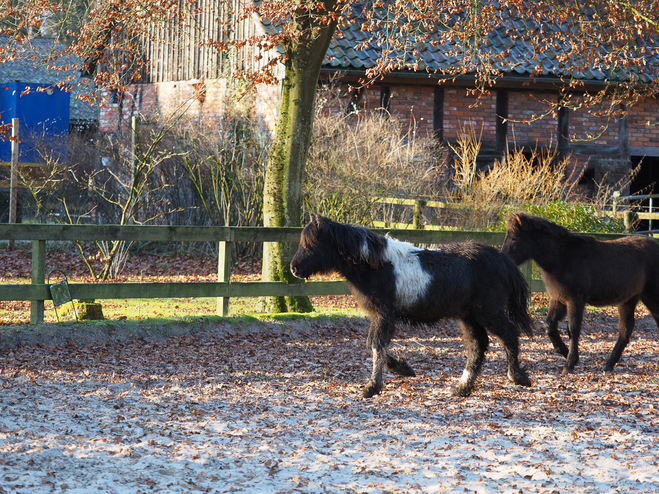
{"x": 518, "y": 219}
{"x": 312, "y": 217}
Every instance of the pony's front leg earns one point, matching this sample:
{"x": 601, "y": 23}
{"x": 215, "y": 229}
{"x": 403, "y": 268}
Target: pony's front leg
{"x": 379, "y": 336}
{"x": 574, "y": 320}
{"x": 555, "y": 314}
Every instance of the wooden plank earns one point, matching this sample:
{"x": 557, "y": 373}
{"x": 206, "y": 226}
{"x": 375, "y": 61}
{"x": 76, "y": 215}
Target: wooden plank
{"x": 181, "y": 290}
{"x": 24, "y": 292}
{"x": 147, "y": 233}
{"x": 446, "y": 236}
{"x": 537, "y": 286}
{"x": 176, "y": 290}
{"x": 226, "y": 234}
{"x": 213, "y": 234}
{"x": 640, "y": 215}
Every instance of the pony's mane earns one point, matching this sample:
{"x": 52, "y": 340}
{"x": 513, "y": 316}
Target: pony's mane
{"x": 354, "y": 243}
{"x": 522, "y": 223}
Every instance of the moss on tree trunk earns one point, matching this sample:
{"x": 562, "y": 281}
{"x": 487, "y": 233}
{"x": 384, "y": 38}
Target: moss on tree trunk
{"x": 282, "y": 201}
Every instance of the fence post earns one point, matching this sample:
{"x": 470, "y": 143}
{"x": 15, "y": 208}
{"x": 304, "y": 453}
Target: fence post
{"x": 418, "y": 214}
{"x": 13, "y": 192}
{"x": 38, "y": 278}
{"x": 527, "y": 270}
{"x": 223, "y": 275}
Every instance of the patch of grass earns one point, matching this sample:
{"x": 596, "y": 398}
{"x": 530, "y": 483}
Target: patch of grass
{"x": 242, "y": 311}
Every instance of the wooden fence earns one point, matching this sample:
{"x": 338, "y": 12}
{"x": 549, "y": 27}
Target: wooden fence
{"x": 38, "y": 291}
{"x": 620, "y": 209}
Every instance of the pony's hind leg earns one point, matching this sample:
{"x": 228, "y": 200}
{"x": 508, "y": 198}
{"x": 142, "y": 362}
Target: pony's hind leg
{"x": 379, "y": 335}
{"x": 574, "y": 320}
{"x": 651, "y": 301}
{"x": 476, "y": 341}
{"x": 506, "y": 332}
{"x": 625, "y": 328}
{"x": 555, "y": 314}
{"x": 398, "y": 366}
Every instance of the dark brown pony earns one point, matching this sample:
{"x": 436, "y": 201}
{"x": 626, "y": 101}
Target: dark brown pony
{"x": 393, "y": 280}
{"x": 579, "y": 270}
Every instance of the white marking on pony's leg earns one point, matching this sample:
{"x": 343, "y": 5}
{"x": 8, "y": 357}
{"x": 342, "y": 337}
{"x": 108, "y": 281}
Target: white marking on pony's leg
{"x": 412, "y": 281}
{"x": 466, "y": 378}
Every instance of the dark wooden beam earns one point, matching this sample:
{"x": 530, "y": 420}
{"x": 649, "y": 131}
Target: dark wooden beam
{"x": 623, "y": 134}
{"x": 438, "y": 114}
{"x": 385, "y": 97}
{"x": 563, "y": 147}
{"x": 502, "y": 120}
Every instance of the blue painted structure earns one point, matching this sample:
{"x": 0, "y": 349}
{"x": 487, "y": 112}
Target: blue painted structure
{"x": 43, "y": 111}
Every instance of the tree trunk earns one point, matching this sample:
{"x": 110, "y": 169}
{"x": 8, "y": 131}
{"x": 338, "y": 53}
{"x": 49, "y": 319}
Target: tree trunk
{"x": 284, "y": 177}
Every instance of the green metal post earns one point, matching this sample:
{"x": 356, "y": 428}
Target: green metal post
{"x": 223, "y": 275}
{"x": 38, "y": 278}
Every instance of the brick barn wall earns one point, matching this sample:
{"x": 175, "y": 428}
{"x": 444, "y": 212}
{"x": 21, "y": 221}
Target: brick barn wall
{"x": 463, "y": 111}
{"x": 202, "y": 101}
{"x": 643, "y": 123}
{"x": 588, "y": 127}
{"x": 523, "y": 126}
{"x": 413, "y": 107}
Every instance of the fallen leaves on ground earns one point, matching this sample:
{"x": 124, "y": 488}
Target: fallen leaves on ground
{"x": 276, "y": 409}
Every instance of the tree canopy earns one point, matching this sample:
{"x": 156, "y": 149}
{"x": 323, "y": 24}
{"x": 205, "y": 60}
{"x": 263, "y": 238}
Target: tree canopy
{"x": 615, "y": 41}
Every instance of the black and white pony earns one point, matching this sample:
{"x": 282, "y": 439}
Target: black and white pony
{"x": 394, "y": 280}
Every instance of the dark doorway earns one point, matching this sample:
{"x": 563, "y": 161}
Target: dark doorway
{"x": 646, "y": 181}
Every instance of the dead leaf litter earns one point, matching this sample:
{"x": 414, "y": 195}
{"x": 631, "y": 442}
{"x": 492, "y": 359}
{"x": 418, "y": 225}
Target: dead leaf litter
{"x": 277, "y": 409}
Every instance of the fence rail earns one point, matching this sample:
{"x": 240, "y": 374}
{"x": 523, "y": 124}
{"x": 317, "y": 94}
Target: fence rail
{"x": 38, "y": 291}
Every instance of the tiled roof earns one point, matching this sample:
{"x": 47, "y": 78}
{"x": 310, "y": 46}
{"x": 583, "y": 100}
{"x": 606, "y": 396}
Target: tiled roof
{"x": 520, "y": 59}
{"x": 28, "y": 68}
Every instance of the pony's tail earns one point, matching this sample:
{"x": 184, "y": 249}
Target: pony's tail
{"x": 518, "y": 300}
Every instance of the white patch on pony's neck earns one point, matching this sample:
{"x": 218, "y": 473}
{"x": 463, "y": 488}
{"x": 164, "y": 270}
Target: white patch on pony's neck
{"x": 412, "y": 280}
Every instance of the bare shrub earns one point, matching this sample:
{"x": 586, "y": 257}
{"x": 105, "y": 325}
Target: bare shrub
{"x": 224, "y": 166}
{"x": 517, "y": 179}
{"x": 356, "y": 159}
{"x": 539, "y": 183}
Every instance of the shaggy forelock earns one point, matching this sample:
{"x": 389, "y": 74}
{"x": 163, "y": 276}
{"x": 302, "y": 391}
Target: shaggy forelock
{"x": 351, "y": 242}
{"x": 309, "y": 237}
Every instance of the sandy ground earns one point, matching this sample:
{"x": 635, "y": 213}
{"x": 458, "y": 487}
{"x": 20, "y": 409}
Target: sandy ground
{"x": 277, "y": 408}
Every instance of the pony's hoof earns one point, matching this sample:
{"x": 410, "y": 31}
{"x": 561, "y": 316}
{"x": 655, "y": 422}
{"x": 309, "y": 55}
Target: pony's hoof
{"x": 462, "y": 391}
{"x": 400, "y": 368}
{"x": 371, "y": 390}
{"x": 567, "y": 370}
{"x": 521, "y": 379}
{"x": 608, "y": 368}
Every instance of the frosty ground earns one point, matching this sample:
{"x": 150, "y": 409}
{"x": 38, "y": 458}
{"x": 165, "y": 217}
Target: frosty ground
{"x": 276, "y": 407}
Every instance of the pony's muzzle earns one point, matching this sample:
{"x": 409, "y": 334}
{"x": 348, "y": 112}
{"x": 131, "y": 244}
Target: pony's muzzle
{"x": 295, "y": 272}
